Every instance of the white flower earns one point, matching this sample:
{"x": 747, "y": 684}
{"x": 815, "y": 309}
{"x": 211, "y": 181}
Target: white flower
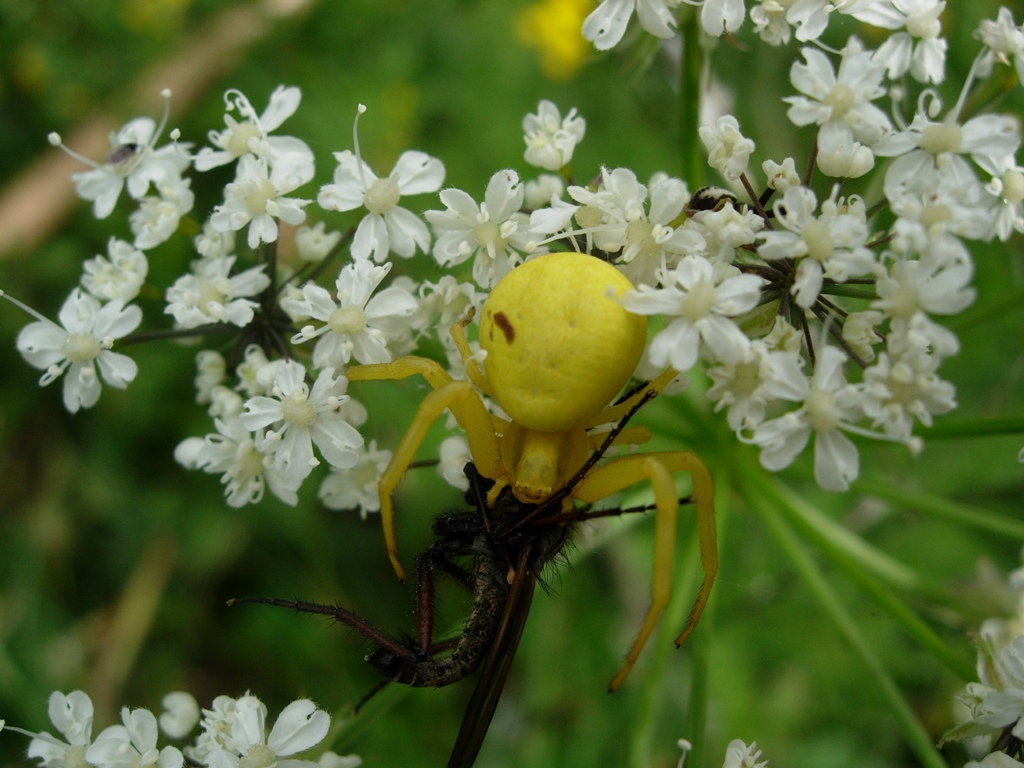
{"x": 119, "y": 277}
{"x": 212, "y": 243}
{"x": 701, "y": 297}
{"x": 740, "y": 755}
{"x": 910, "y": 287}
{"x": 299, "y": 726}
{"x": 251, "y": 134}
{"x": 840, "y": 103}
{"x": 997, "y": 702}
{"x": 920, "y": 48}
{"x": 859, "y": 333}
{"x": 829, "y": 245}
{"x": 995, "y": 760}
{"x": 606, "y": 24}
{"x": 301, "y": 417}
{"x": 245, "y": 471}
{"x": 898, "y": 391}
{"x": 180, "y": 715}
{"x": 211, "y": 371}
{"x": 444, "y": 303}
{"x": 258, "y": 197}
{"x": 133, "y": 161}
{"x": 728, "y": 149}
{"x": 722, "y": 16}
{"x": 356, "y": 487}
{"x": 646, "y": 242}
{"x": 1004, "y": 40}
{"x": 550, "y": 140}
{"x": 453, "y": 456}
{"x": 1005, "y": 192}
{"x": 829, "y": 403}
{"x": 72, "y": 716}
{"x": 157, "y": 217}
{"x": 211, "y": 294}
{"x": 544, "y": 190}
{"x": 387, "y": 227}
{"x": 725, "y": 229}
{"x": 759, "y": 377}
{"x": 132, "y": 745}
{"x": 314, "y": 243}
{"x": 926, "y": 145}
{"x": 781, "y": 176}
{"x": 355, "y": 323}
{"x": 80, "y": 346}
{"x": 840, "y": 155}
{"x": 489, "y": 232}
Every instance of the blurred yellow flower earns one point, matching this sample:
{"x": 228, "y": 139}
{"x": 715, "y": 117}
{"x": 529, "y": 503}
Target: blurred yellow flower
{"x": 553, "y": 28}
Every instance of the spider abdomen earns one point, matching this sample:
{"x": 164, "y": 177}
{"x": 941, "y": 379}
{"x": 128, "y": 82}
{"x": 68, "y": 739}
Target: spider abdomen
{"x": 559, "y": 344}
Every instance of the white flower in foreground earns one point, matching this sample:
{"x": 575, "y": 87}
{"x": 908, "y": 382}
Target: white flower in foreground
{"x": 245, "y": 471}
{"x": 740, "y": 755}
{"x": 997, "y": 702}
{"x": 356, "y": 487}
{"x": 387, "y": 227}
{"x": 551, "y": 140}
{"x": 728, "y": 149}
{"x": 1004, "y": 39}
{"x": 119, "y": 277}
{"x": 250, "y": 135}
{"x": 301, "y": 417}
{"x": 718, "y": 17}
{"x": 759, "y": 377}
{"x": 606, "y": 24}
{"x": 355, "y": 324}
{"x": 902, "y": 389}
{"x": 258, "y": 197}
{"x": 453, "y": 456}
{"x": 919, "y": 47}
{"x": 926, "y": 145}
{"x": 212, "y": 243}
{"x": 180, "y": 715}
{"x": 72, "y": 716}
{"x": 315, "y": 243}
{"x": 133, "y": 161}
{"x": 299, "y": 726}
{"x": 700, "y": 298}
{"x": 80, "y": 346}
{"x": 493, "y": 232}
{"x": 831, "y": 244}
{"x": 158, "y": 216}
{"x": 211, "y": 294}
{"x": 132, "y": 745}
{"x": 829, "y": 403}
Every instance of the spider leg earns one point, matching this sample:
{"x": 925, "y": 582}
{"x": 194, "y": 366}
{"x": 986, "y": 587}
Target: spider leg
{"x": 658, "y": 468}
{"x": 464, "y": 403}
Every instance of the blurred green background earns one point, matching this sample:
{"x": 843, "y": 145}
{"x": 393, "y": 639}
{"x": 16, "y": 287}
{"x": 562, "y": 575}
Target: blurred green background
{"x": 115, "y": 563}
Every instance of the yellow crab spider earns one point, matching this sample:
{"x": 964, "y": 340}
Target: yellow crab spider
{"x": 559, "y": 348}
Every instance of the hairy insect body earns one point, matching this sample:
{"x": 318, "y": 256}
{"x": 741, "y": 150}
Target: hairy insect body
{"x": 498, "y": 559}
{"x": 490, "y": 593}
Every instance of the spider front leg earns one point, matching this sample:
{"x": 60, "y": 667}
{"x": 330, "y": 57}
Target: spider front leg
{"x": 463, "y": 401}
{"x": 658, "y": 468}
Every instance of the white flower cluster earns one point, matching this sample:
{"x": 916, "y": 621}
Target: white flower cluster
{"x": 233, "y": 733}
{"x": 811, "y": 321}
{"x": 991, "y": 711}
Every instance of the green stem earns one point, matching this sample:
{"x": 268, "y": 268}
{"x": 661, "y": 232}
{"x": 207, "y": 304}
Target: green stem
{"x": 943, "y": 508}
{"x": 1004, "y": 425}
{"x": 838, "y": 552}
{"x": 917, "y": 737}
{"x": 691, "y": 71}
